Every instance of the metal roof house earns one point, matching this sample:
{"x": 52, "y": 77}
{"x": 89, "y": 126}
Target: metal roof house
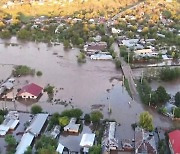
{"x": 26, "y": 141}
{"x": 87, "y": 141}
{"x": 72, "y": 126}
{"x": 10, "y": 122}
{"x": 37, "y": 124}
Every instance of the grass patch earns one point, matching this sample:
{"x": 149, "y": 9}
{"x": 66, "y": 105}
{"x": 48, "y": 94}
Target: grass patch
{"x": 23, "y": 70}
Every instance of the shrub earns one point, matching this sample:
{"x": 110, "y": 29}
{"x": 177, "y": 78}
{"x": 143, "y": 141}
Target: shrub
{"x": 39, "y": 73}
{"x": 49, "y": 89}
{"x": 36, "y": 109}
{"x": 23, "y": 70}
{"x": 87, "y": 118}
{"x": 63, "y": 121}
{"x": 77, "y": 113}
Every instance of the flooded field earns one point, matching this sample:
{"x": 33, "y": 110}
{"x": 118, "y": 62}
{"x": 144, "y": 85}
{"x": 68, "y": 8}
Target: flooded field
{"x": 95, "y": 82}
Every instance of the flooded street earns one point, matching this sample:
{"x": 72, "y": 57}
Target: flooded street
{"x": 95, "y": 82}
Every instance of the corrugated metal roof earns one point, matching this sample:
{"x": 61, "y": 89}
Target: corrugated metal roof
{"x": 26, "y": 141}
{"x": 87, "y": 140}
{"x": 37, "y": 124}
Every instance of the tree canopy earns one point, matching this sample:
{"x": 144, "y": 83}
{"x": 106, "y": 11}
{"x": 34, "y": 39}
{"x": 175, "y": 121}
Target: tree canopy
{"x": 35, "y": 109}
{"x": 146, "y": 121}
{"x": 96, "y": 116}
{"x": 177, "y": 99}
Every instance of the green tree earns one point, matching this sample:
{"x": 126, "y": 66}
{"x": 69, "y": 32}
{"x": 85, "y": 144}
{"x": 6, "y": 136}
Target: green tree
{"x": 35, "y": 109}
{"x": 96, "y": 149}
{"x": 87, "y": 118}
{"x": 39, "y": 73}
{"x": 53, "y": 120}
{"x": 146, "y": 121}
{"x": 45, "y": 142}
{"x": 96, "y": 116}
{"x": 66, "y": 44}
{"x": 77, "y": 113}
{"x": 162, "y": 95}
{"x": 10, "y": 140}
{"x": 49, "y": 89}
{"x": 47, "y": 150}
{"x": 29, "y": 150}
{"x": 1, "y": 119}
{"x": 118, "y": 63}
{"x": 63, "y": 121}
{"x": 177, "y": 112}
{"x": 177, "y": 99}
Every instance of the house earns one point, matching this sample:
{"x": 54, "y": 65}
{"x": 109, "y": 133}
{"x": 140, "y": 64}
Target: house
{"x": 31, "y": 91}
{"x": 87, "y": 141}
{"x": 132, "y": 43}
{"x": 93, "y": 47}
{"x": 25, "y": 142}
{"x": 10, "y": 122}
{"x": 37, "y": 124}
{"x": 145, "y": 53}
{"x": 144, "y": 142}
{"x": 101, "y": 56}
{"x": 55, "y": 132}
{"x": 115, "y": 31}
{"x": 72, "y": 126}
{"x": 110, "y": 142}
{"x": 174, "y": 141}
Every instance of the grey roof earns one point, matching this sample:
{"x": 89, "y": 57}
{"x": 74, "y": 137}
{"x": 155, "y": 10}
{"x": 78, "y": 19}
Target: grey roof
{"x": 37, "y": 124}
{"x": 26, "y": 141}
{"x": 87, "y": 140}
{"x": 8, "y": 85}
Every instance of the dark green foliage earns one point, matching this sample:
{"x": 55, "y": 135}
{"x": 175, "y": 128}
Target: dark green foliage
{"x": 45, "y": 143}
{"x": 167, "y": 73}
{"x": 23, "y": 70}
{"x": 11, "y": 141}
{"x": 96, "y": 116}
{"x": 77, "y": 113}
{"x": 49, "y": 89}
{"x": 54, "y": 120}
{"x": 39, "y": 73}
{"x": 96, "y": 149}
{"x": 166, "y": 14}
{"x": 177, "y": 99}
{"x": 87, "y": 118}
{"x": 1, "y": 119}
{"x": 35, "y": 109}
{"x": 28, "y": 151}
{"x": 144, "y": 91}
{"x": 162, "y": 95}
{"x": 177, "y": 112}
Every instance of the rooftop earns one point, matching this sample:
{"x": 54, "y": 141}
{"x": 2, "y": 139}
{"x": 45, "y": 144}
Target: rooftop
{"x": 37, "y": 124}
{"x": 32, "y": 88}
{"x": 174, "y": 138}
{"x": 87, "y": 140}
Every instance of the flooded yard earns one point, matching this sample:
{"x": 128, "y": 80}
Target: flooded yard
{"x": 95, "y": 82}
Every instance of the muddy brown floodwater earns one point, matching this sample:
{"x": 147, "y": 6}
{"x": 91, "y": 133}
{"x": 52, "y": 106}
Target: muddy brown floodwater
{"x": 95, "y": 82}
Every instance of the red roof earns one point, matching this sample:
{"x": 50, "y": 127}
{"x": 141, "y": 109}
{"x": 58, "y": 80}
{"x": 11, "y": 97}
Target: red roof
{"x": 174, "y": 138}
{"x": 32, "y": 88}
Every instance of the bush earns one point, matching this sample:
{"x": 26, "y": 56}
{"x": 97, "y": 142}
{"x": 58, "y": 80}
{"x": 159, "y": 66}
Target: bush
{"x": 81, "y": 58}
{"x": 35, "y": 109}
{"x": 39, "y": 73}
{"x": 49, "y": 89}
{"x": 23, "y": 70}
{"x": 177, "y": 112}
{"x": 5, "y": 34}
